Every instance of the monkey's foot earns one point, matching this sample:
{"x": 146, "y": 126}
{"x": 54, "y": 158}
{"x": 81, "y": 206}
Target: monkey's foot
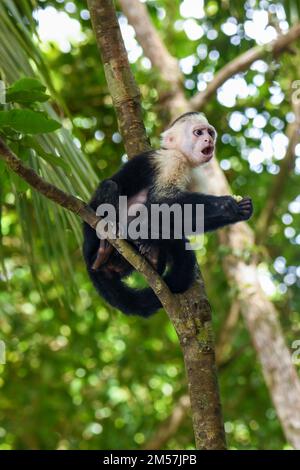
{"x": 104, "y": 251}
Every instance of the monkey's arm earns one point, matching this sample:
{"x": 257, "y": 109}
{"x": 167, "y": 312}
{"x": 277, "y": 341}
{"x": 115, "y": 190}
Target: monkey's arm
{"x": 132, "y": 179}
{"x": 134, "y": 176}
{"x": 218, "y": 210}
{"x": 225, "y": 210}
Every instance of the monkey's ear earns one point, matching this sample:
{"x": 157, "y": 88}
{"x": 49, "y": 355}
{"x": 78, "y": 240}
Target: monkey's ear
{"x": 168, "y": 139}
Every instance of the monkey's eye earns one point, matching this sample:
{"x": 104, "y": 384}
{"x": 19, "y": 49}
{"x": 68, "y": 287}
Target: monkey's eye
{"x": 211, "y": 133}
{"x": 198, "y": 132}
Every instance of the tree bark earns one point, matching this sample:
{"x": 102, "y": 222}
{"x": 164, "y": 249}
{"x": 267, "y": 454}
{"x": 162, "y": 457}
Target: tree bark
{"x": 258, "y": 311}
{"x": 124, "y": 90}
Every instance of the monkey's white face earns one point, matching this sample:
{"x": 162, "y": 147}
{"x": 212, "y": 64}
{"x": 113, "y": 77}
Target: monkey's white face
{"x": 195, "y": 139}
{"x": 197, "y": 143}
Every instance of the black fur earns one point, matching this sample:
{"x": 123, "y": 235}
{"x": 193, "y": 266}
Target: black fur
{"x": 138, "y": 174}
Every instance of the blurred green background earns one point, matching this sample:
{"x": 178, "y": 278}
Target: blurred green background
{"x": 79, "y": 375}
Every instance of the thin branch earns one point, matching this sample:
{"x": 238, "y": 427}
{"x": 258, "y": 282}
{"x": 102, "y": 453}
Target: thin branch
{"x": 56, "y": 195}
{"x": 243, "y": 62}
{"x": 281, "y": 179}
{"x": 136, "y": 13}
{"x": 148, "y": 37}
{"x": 156, "y": 51}
{"x": 193, "y": 326}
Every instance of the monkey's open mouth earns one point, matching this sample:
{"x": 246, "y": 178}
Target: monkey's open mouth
{"x": 208, "y": 150}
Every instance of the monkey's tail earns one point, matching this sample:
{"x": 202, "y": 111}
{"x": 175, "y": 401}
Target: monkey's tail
{"x": 112, "y": 288}
{"x": 142, "y": 302}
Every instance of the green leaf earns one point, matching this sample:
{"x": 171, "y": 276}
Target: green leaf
{"x": 27, "y": 90}
{"x": 2, "y": 167}
{"x": 26, "y": 84}
{"x": 27, "y": 97}
{"x": 24, "y": 153}
{"x": 54, "y": 160}
{"x": 27, "y": 121}
{"x": 20, "y": 184}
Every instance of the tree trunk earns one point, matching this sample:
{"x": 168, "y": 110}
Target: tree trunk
{"x": 190, "y": 313}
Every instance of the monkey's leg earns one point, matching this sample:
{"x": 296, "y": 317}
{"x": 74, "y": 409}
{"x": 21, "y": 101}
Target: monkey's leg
{"x": 106, "y": 193}
{"x": 182, "y": 265}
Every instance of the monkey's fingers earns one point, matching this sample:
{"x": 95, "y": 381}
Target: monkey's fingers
{"x": 150, "y": 253}
{"x": 103, "y": 254}
{"x": 246, "y": 207}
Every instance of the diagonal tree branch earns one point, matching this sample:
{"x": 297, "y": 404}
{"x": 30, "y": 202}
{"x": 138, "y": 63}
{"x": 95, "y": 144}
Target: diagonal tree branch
{"x": 258, "y": 311}
{"x": 136, "y": 13}
{"x": 281, "y": 179}
{"x": 193, "y": 326}
{"x": 154, "y": 48}
{"x": 243, "y": 62}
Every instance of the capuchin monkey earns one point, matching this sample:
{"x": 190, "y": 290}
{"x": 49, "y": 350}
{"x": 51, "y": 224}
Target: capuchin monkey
{"x": 161, "y": 176}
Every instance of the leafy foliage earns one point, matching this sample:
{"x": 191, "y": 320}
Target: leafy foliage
{"x": 77, "y": 374}
{"x": 27, "y": 121}
{"x": 26, "y": 91}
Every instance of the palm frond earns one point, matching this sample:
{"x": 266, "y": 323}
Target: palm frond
{"x": 20, "y": 56}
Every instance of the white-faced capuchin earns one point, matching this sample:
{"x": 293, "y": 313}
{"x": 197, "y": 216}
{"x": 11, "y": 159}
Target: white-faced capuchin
{"x": 161, "y": 176}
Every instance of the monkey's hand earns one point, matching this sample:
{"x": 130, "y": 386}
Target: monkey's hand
{"x": 236, "y": 210}
{"x": 245, "y": 208}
